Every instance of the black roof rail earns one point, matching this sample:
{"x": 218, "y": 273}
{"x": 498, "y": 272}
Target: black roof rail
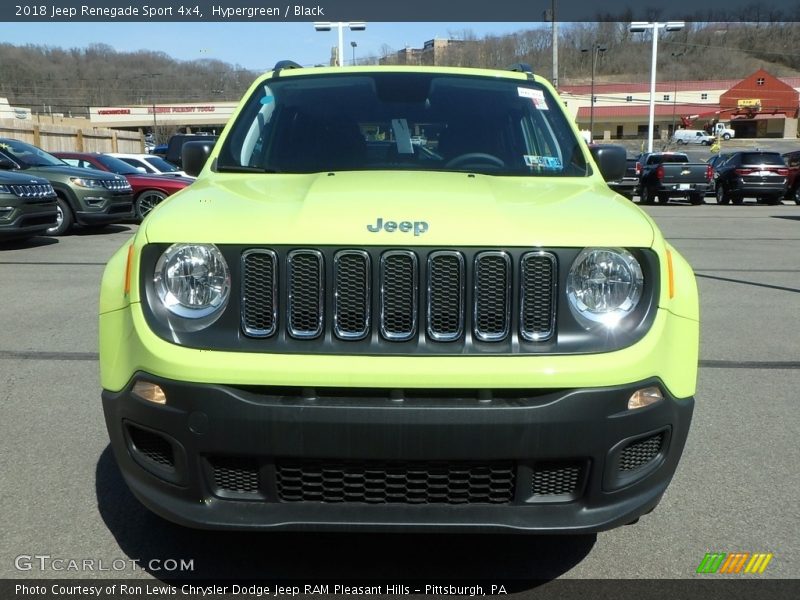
{"x": 285, "y": 64}
{"x": 522, "y": 68}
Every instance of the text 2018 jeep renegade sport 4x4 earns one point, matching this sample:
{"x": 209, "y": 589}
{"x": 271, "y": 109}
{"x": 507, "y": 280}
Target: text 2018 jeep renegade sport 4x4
{"x": 339, "y": 326}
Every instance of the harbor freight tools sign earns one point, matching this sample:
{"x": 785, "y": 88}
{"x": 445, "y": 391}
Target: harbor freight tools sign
{"x": 734, "y": 563}
{"x": 408, "y": 10}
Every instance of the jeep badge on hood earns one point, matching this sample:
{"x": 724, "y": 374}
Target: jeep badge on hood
{"x": 418, "y": 227}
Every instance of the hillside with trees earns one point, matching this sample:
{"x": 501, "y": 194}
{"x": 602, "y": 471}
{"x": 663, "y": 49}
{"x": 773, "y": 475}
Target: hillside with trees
{"x": 49, "y": 79}
{"x": 57, "y": 80}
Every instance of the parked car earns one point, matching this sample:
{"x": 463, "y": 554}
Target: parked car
{"x": 148, "y": 190}
{"x": 752, "y": 174}
{"x": 715, "y": 161}
{"x": 665, "y": 175}
{"x": 484, "y": 339}
{"x": 150, "y": 164}
{"x": 176, "y": 142}
{"x": 87, "y": 197}
{"x": 160, "y": 150}
{"x": 692, "y": 136}
{"x": 628, "y": 185}
{"x": 792, "y": 160}
{"x": 27, "y": 206}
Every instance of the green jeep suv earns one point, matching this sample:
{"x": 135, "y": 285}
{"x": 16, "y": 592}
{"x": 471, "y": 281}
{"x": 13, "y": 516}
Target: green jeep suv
{"x": 27, "y": 206}
{"x": 85, "y": 196}
{"x": 399, "y": 298}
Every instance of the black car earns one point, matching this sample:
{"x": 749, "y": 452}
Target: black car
{"x": 715, "y": 162}
{"x": 627, "y": 186}
{"x": 752, "y": 174}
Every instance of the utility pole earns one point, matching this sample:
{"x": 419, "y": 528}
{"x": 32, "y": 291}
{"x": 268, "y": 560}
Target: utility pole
{"x": 595, "y": 50}
{"x": 550, "y": 15}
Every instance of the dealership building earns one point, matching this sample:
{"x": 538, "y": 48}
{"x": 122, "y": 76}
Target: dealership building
{"x": 758, "y": 106}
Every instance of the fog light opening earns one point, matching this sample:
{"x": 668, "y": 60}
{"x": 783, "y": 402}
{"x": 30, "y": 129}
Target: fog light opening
{"x": 644, "y": 397}
{"x": 150, "y": 392}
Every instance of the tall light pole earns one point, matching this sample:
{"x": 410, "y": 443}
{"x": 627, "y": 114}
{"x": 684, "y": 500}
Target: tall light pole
{"x": 340, "y": 25}
{"x": 595, "y": 50}
{"x": 354, "y": 45}
{"x": 675, "y": 95}
{"x": 639, "y": 27}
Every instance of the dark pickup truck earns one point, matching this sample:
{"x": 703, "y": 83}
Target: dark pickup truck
{"x": 665, "y": 175}
{"x": 627, "y": 186}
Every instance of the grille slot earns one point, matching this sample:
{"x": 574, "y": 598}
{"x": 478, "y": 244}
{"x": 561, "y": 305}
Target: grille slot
{"x": 116, "y": 185}
{"x": 398, "y": 295}
{"x": 152, "y": 446}
{"x": 445, "y": 295}
{"x": 640, "y": 452}
{"x": 259, "y": 293}
{"x": 399, "y": 482}
{"x": 556, "y": 479}
{"x": 492, "y": 296}
{"x": 351, "y": 294}
{"x": 537, "y": 296}
{"x": 235, "y": 475}
{"x": 306, "y": 280}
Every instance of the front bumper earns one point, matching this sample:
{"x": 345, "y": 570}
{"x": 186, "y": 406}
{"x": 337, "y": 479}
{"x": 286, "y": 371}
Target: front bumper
{"x": 27, "y": 218}
{"x": 114, "y": 207}
{"x": 568, "y": 461}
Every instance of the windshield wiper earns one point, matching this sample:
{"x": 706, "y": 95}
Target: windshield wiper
{"x": 232, "y": 169}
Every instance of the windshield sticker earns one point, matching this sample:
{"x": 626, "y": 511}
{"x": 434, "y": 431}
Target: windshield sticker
{"x": 551, "y": 163}
{"x": 537, "y": 96}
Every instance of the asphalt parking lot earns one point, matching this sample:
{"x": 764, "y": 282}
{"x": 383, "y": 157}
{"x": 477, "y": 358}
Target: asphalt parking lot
{"x": 735, "y": 489}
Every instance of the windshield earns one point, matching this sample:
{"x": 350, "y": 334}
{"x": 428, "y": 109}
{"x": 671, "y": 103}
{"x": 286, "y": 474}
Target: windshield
{"x": 160, "y": 165}
{"x": 115, "y": 165}
{"x": 403, "y": 121}
{"x": 762, "y": 158}
{"x": 29, "y": 156}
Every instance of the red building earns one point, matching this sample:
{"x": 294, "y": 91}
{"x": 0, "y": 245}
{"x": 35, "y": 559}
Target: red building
{"x": 759, "y": 105}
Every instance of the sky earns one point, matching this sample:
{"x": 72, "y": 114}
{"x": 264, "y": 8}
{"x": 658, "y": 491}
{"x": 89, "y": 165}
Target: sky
{"x": 256, "y": 46}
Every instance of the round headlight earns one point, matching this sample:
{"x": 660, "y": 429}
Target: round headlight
{"x": 192, "y": 280}
{"x": 604, "y": 286}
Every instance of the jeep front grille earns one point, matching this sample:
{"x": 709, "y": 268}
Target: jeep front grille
{"x": 34, "y": 191}
{"x": 431, "y": 296}
{"x": 116, "y": 185}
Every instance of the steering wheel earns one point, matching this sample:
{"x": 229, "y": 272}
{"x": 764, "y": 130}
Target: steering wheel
{"x": 462, "y": 159}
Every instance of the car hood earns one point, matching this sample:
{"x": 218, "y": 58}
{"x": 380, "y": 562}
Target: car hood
{"x": 451, "y": 209}
{"x": 67, "y": 171}
{"x": 158, "y": 181}
{"x": 21, "y": 178}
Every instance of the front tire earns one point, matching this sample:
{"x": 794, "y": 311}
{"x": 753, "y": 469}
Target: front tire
{"x": 726, "y": 136}
{"x": 64, "y": 218}
{"x": 645, "y": 196}
{"x": 147, "y": 201}
{"x": 722, "y": 196}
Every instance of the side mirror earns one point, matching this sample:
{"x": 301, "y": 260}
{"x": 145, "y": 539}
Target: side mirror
{"x": 141, "y": 170}
{"x": 611, "y": 160}
{"x": 194, "y": 156}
